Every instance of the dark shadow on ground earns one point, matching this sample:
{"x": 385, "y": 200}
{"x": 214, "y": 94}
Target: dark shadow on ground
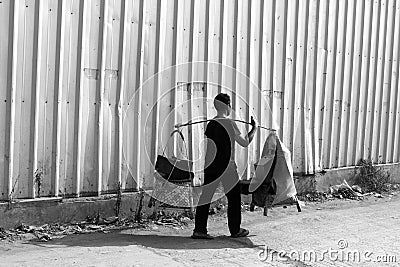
{"x": 150, "y": 240}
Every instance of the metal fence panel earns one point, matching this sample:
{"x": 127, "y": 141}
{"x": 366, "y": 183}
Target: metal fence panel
{"x": 69, "y": 69}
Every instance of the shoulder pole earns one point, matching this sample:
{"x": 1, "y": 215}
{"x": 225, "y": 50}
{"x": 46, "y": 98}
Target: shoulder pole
{"x": 179, "y": 125}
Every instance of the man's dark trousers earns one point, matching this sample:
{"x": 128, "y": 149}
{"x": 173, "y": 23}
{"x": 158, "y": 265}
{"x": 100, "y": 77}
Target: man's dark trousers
{"x": 230, "y": 182}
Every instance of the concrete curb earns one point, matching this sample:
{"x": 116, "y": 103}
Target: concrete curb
{"x": 321, "y": 182}
{"x": 67, "y": 210}
{"x": 58, "y": 210}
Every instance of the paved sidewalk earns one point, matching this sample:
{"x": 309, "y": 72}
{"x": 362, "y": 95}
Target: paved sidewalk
{"x": 322, "y": 235}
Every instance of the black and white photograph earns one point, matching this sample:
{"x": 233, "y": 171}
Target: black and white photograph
{"x": 199, "y": 133}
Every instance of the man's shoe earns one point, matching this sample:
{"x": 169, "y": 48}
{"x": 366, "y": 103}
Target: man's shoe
{"x": 198, "y": 235}
{"x": 242, "y": 233}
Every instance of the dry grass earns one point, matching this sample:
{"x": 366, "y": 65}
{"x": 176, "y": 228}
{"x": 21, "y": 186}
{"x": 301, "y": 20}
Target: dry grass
{"x": 370, "y": 177}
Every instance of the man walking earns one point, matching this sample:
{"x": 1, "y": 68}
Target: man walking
{"x": 222, "y": 133}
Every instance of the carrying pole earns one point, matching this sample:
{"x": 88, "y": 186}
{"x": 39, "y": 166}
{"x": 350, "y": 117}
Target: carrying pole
{"x": 179, "y": 125}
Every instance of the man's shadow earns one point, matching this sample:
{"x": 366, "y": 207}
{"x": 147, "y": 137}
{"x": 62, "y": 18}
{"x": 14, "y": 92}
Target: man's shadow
{"x": 150, "y": 240}
{"x": 184, "y": 242}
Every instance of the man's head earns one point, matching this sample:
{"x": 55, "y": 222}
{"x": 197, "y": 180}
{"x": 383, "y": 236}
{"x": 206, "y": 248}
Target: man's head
{"x": 222, "y": 103}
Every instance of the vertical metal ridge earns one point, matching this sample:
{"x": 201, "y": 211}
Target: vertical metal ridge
{"x": 347, "y": 88}
{"x": 313, "y": 124}
{"x": 390, "y": 144}
{"x": 271, "y": 64}
{"x": 380, "y": 83}
{"x": 207, "y": 42}
{"x": 254, "y": 52}
{"x": 37, "y": 42}
{"x": 293, "y": 90}
{"x": 299, "y": 153}
{"x": 221, "y": 44}
{"x": 365, "y": 83}
{"x": 263, "y": 115}
{"x": 236, "y": 27}
{"x": 263, "y": 68}
{"x": 13, "y": 74}
{"x": 121, "y": 88}
{"x": 249, "y": 81}
{"x": 373, "y": 76}
{"x": 347, "y": 77}
{"x": 260, "y": 74}
{"x": 178, "y": 25}
{"x": 283, "y": 70}
{"x": 395, "y": 87}
{"x": 138, "y": 94}
{"x": 302, "y": 60}
{"x": 397, "y": 125}
{"x": 224, "y": 18}
{"x": 100, "y": 118}
{"x": 386, "y": 83}
{"x": 83, "y": 9}
{"x": 303, "y": 88}
{"x": 370, "y": 79}
{"x": 156, "y": 109}
{"x": 192, "y": 50}
{"x": 278, "y": 67}
{"x": 7, "y": 182}
{"x": 397, "y": 155}
{"x": 208, "y": 68}
{"x": 331, "y": 86}
{"x": 356, "y": 83}
{"x": 322, "y": 74}
{"x": 237, "y": 73}
{"x": 310, "y": 98}
{"x": 58, "y": 87}
{"x": 338, "y": 88}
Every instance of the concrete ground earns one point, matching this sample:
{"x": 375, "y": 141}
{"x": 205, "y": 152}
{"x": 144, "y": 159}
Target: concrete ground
{"x": 332, "y": 233}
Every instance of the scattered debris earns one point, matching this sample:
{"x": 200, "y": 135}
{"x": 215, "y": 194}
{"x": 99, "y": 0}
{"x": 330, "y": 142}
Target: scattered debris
{"x": 172, "y": 219}
{"x": 357, "y": 188}
{"x": 345, "y": 191}
{"x": 5, "y": 235}
{"x": 370, "y": 180}
{"x": 389, "y": 187}
{"x": 47, "y": 232}
{"x": 167, "y": 221}
{"x": 315, "y": 196}
{"x": 44, "y": 237}
{"x": 220, "y": 207}
{"x": 212, "y": 211}
{"x": 245, "y": 207}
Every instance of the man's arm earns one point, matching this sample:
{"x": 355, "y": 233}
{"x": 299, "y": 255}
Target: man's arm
{"x": 249, "y": 137}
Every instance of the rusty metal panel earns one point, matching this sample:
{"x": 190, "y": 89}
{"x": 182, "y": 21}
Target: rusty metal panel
{"x": 88, "y": 96}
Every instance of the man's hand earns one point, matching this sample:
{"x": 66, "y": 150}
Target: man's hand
{"x": 253, "y": 122}
{"x": 250, "y": 135}
{"x": 252, "y": 132}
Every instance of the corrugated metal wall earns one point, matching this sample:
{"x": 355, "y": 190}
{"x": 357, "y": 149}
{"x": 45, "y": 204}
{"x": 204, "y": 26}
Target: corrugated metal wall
{"x": 68, "y": 70}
